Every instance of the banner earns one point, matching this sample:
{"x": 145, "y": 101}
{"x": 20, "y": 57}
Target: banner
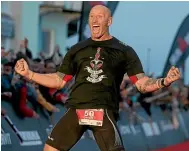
{"x": 137, "y": 135}
{"x": 84, "y": 31}
{"x": 180, "y": 48}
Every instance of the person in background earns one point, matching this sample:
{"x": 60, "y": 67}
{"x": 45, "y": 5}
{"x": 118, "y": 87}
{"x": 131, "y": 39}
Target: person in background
{"x": 184, "y": 97}
{"x": 57, "y": 56}
{"x": 24, "y": 48}
{"x": 3, "y": 52}
{"x": 20, "y": 100}
{"x": 24, "y": 52}
{"x": 6, "y": 78}
{"x": 175, "y": 106}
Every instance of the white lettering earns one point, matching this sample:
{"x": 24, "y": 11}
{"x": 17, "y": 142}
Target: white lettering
{"x": 29, "y": 135}
{"x": 92, "y": 71}
{"x": 166, "y": 126}
{"x": 124, "y": 130}
{"x": 147, "y": 129}
{"x": 156, "y": 128}
{"x": 93, "y": 80}
{"x": 52, "y": 139}
{"x": 89, "y": 113}
{"x": 5, "y": 139}
{"x": 30, "y": 138}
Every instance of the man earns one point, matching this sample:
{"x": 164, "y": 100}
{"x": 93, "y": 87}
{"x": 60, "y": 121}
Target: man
{"x": 6, "y": 77}
{"x": 57, "y": 56}
{"x": 24, "y": 52}
{"x": 24, "y": 48}
{"x": 98, "y": 65}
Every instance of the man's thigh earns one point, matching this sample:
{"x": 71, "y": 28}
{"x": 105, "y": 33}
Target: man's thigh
{"x": 107, "y": 136}
{"x": 66, "y": 132}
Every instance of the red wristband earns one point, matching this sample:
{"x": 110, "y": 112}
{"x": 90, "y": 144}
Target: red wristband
{"x": 67, "y": 78}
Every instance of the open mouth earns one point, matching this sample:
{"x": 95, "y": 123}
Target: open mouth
{"x": 96, "y": 28}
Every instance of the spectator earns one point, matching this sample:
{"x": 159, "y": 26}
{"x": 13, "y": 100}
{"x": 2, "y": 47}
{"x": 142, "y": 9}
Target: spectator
{"x": 24, "y": 52}
{"x": 32, "y": 95}
{"x": 52, "y": 95}
{"x": 184, "y": 97}
{"x": 19, "y": 98}
{"x": 57, "y": 56}
{"x": 24, "y": 48}
{"x": 48, "y": 106}
{"x": 24, "y": 109}
{"x": 6, "y": 78}
{"x": 175, "y": 106}
{"x": 3, "y": 52}
{"x": 48, "y": 93}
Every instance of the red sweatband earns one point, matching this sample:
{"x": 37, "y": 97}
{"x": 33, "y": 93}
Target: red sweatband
{"x": 133, "y": 79}
{"x": 67, "y": 78}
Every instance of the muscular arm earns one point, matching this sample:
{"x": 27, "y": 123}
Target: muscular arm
{"x": 134, "y": 70}
{"x": 52, "y": 80}
{"x": 145, "y": 84}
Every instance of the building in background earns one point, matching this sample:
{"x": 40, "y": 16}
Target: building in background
{"x": 55, "y": 23}
{"x": 7, "y": 25}
{"x": 45, "y": 24}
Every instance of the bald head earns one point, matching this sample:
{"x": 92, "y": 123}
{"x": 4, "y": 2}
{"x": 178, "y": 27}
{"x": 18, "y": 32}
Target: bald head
{"x": 99, "y": 21}
{"x": 101, "y": 8}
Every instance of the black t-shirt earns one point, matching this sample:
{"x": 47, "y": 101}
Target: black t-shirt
{"x": 99, "y": 67}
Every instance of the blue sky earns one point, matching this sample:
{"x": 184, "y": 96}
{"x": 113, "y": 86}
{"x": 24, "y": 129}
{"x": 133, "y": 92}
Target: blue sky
{"x": 153, "y": 25}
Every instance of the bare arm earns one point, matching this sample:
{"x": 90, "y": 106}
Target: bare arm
{"x": 145, "y": 84}
{"x": 51, "y": 80}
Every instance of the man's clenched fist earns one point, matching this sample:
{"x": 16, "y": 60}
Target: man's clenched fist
{"x": 22, "y": 68}
{"x": 172, "y": 75}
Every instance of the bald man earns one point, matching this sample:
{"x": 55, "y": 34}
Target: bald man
{"x": 98, "y": 65}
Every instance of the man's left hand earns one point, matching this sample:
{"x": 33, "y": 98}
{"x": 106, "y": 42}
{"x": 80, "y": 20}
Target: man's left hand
{"x": 173, "y": 75}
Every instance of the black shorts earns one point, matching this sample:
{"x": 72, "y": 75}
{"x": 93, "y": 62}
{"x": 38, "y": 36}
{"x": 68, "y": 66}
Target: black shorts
{"x": 67, "y": 133}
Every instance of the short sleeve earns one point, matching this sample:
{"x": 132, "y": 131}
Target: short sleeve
{"x": 133, "y": 64}
{"x": 67, "y": 66}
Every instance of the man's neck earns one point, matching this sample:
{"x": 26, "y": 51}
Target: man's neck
{"x": 102, "y": 38}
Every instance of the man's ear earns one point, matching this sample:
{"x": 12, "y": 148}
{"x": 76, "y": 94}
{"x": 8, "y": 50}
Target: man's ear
{"x": 109, "y": 21}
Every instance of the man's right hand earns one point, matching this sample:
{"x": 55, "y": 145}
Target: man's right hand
{"x": 22, "y": 68}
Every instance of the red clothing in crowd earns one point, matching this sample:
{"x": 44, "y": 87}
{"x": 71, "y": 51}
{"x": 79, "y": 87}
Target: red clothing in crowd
{"x": 27, "y": 112}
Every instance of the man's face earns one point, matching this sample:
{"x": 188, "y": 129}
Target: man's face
{"x": 99, "y": 22}
{"x": 7, "y": 70}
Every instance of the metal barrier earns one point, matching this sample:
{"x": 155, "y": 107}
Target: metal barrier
{"x": 140, "y": 137}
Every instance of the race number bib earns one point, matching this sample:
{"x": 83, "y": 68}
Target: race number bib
{"x": 90, "y": 116}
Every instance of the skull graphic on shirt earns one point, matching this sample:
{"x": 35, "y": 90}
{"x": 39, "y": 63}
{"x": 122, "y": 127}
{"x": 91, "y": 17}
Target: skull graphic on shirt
{"x": 95, "y": 68}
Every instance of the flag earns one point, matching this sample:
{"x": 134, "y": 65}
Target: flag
{"x": 180, "y": 47}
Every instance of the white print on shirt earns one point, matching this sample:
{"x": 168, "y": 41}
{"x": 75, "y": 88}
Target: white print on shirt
{"x": 95, "y": 70}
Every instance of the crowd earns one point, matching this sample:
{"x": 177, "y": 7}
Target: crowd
{"x": 19, "y": 91}
{"x": 171, "y": 100}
